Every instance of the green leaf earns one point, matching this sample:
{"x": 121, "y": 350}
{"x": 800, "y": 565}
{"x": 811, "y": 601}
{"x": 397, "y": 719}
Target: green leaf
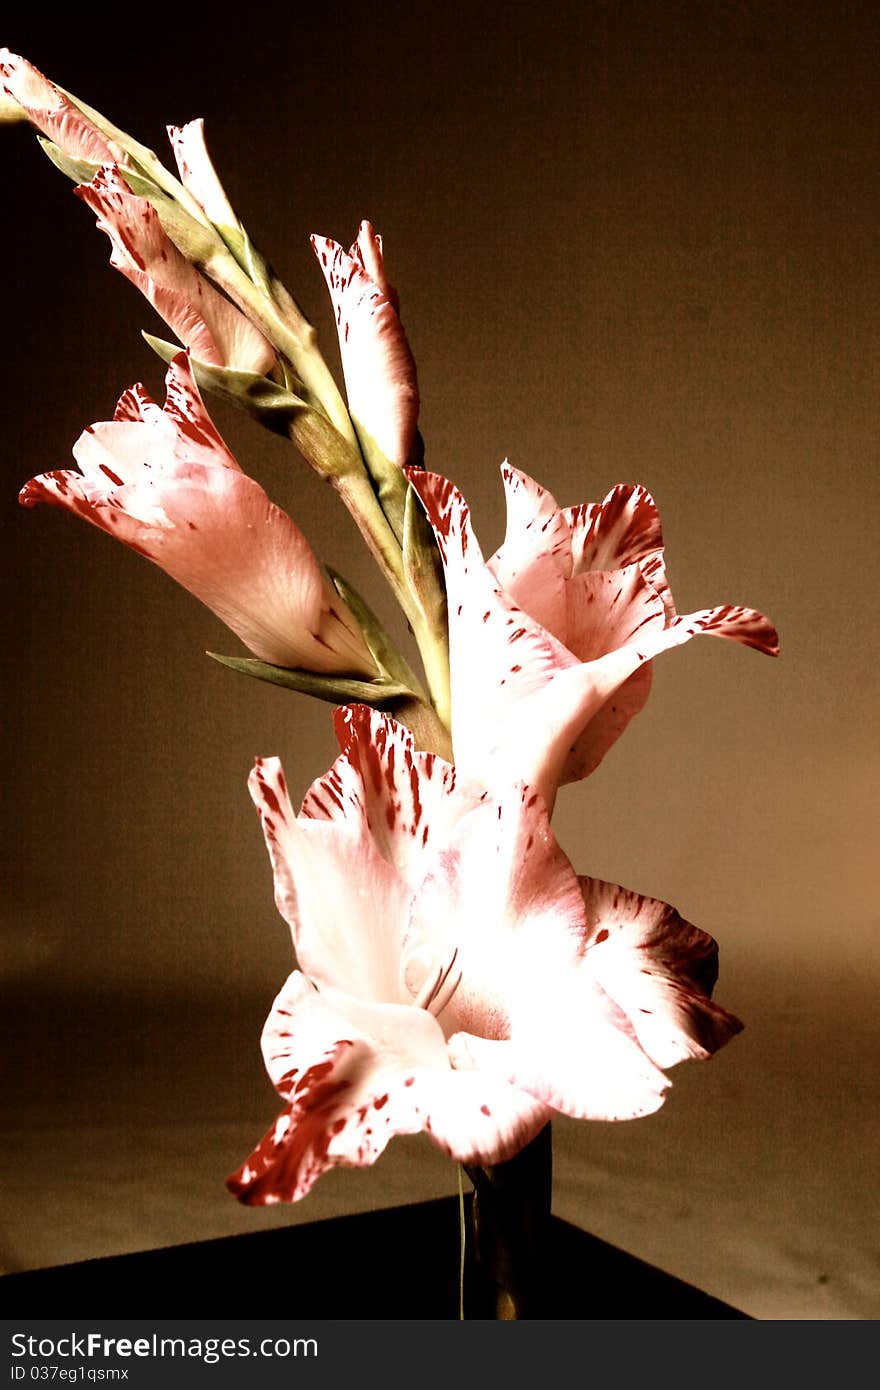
{"x": 383, "y": 651}
{"x": 276, "y": 407}
{"x": 273, "y": 405}
{"x": 388, "y": 480}
{"x": 337, "y": 690}
{"x": 195, "y": 240}
{"x": 422, "y": 564}
{"x": 79, "y": 170}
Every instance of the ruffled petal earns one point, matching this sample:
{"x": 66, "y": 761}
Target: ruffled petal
{"x": 55, "y": 114}
{"x": 346, "y": 868}
{"x": 137, "y": 404}
{"x": 526, "y": 1008}
{"x": 403, "y": 801}
{"x": 142, "y": 436}
{"x": 379, "y": 370}
{"x": 209, "y": 526}
{"x": 521, "y": 699}
{"x": 345, "y": 905}
{"x": 202, "y": 318}
{"x": 355, "y": 1075}
{"x": 534, "y": 563}
{"x": 505, "y": 898}
{"x": 580, "y": 1058}
{"x": 659, "y": 969}
{"x": 624, "y": 529}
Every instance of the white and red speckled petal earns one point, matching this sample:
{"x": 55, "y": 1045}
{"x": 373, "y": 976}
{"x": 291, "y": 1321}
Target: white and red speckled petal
{"x": 136, "y": 404}
{"x": 54, "y": 113}
{"x": 624, "y": 529}
{"x": 606, "y": 726}
{"x": 576, "y": 1053}
{"x": 345, "y": 905}
{"x": 201, "y": 317}
{"x": 403, "y": 800}
{"x": 608, "y": 609}
{"x": 197, "y": 172}
{"x": 659, "y": 968}
{"x": 472, "y": 1117}
{"x": 534, "y": 562}
{"x": 215, "y": 531}
{"x": 507, "y": 897}
{"x": 730, "y": 620}
{"x": 504, "y": 896}
{"x": 355, "y": 1075}
{"x": 379, "y": 370}
{"x": 101, "y": 499}
{"x": 197, "y": 437}
{"x": 141, "y": 436}
{"x": 367, "y": 248}
{"x": 118, "y": 451}
{"x": 476, "y": 1116}
{"x": 626, "y": 696}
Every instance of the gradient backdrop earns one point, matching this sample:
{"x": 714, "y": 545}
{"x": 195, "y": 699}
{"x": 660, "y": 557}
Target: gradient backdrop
{"x": 632, "y": 242}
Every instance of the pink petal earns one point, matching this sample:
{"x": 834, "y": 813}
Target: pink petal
{"x": 136, "y": 403}
{"x": 730, "y": 620}
{"x": 608, "y": 609}
{"x": 606, "y": 726}
{"x": 202, "y": 318}
{"x": 346, "y": 868}
{"x": 592, "y": 1068}
{"x": 659, "y": 969}
{"x": 367, "y": 250}
{"x": 504, "y": 895}
{"x": 345, "y": 905}
{"x": 534, "y": 563}
{"x": 527, "y": 1011}
{"x": 380, "y": 373}
{"x": 164, "y": 487}
{"x": 356, "y": 1075}
{"x": 142, "y": 436}
{"x": 197, "y": 172}
{"x": 622, "y": 530}
{"x": 53, "y": 113}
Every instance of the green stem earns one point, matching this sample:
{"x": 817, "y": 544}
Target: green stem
{"x": 510, "y": 1222}
{"x": 291, "y": 333}
{"x": 356, "y": 492}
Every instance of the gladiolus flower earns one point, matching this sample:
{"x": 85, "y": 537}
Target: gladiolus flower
{"x": 551, "y": 641}
{"x": 164, "y": 482}
{"x": 379, "y": 370}
{"x": 455, "y": 976}
{"x": 204, "y": 320}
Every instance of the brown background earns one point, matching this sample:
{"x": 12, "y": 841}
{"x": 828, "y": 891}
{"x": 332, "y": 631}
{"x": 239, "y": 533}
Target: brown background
{"x": 632, "y": 242}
